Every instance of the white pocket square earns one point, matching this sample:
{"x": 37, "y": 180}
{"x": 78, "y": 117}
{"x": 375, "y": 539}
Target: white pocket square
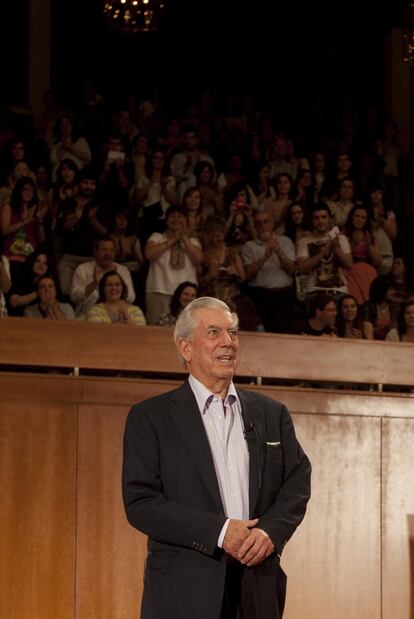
{"x": 272, "y": 444}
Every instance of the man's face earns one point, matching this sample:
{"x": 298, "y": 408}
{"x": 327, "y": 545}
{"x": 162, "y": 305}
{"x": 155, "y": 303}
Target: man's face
{"x": 263, "y": 225}
{"x": 104, "y": 254}
{"x": 344, "y": 163}
{"x": 87, "y": 187}
{"x": 46, "y": 291}
{"x": 213, "y": 351}
{"x": 190, "y": 140}
{"x": 321, "y": 221}
{"x": 115, "y": 144}
{"x": 328, "y": 314}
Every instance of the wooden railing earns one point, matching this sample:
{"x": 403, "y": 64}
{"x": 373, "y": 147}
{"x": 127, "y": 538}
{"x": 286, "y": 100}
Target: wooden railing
{"x": 37, "y": 344}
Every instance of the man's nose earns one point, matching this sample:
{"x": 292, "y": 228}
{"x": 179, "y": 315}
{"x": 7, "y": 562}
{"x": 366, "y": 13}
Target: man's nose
{"x": 226, "y": 339}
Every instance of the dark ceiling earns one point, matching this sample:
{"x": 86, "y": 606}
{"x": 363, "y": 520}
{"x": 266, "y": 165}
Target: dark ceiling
{"x": 284, "y": 48}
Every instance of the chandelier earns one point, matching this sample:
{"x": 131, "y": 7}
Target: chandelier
{"x": 408, "y": 33}
{"x": 134, "y": 15}
{"x": 408, "y": 46}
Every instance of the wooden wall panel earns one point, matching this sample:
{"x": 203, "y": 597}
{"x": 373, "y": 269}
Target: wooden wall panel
{"x": 37, "y": 513}
{"x": 398, "y": 518}
{"x": 110, "y": 553}
{"x": 333, "y": 560}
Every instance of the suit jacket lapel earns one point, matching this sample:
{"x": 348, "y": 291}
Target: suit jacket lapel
{"x": 252, "y": 414}
{"x": 187, "y": 419}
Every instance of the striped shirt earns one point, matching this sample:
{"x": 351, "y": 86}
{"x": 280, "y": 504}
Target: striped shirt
{"x": 223, "y": 424}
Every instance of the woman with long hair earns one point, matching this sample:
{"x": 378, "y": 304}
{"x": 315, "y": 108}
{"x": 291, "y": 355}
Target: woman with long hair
{"x": 23, "y": 291}
{"x": 349, "y": 321}
{"x": 365, "y": 253}
{"x": 183, "y": 295}
{"x": 404, "y": 332}
{"x": 22, "y": 221}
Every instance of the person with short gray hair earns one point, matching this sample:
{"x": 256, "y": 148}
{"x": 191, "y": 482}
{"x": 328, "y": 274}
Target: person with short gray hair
{"x": 216, "y": 479}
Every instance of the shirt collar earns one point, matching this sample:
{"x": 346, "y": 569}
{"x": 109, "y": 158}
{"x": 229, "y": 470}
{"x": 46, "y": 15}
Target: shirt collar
{"x": 204, "y": 395}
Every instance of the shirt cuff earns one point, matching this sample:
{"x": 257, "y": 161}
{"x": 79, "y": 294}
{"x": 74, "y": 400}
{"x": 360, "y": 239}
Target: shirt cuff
{"x": 223, "y": 533}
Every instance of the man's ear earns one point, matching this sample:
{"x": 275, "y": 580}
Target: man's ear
{"x": 185, "y": 349}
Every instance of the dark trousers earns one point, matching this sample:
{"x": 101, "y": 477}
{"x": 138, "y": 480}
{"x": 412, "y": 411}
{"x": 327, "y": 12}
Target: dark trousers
{"x": 238, "y": 601}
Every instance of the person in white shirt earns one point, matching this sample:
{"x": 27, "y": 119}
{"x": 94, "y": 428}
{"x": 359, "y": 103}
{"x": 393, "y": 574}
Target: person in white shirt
{"x": 85, "y": 283}
{"x": 269, "y": 262}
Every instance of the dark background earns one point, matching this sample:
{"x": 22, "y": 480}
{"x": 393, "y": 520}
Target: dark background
{"x": 285, "y": 52}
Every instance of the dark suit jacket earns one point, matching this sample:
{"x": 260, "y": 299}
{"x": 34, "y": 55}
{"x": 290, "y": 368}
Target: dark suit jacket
{"x": 171, "y": 494}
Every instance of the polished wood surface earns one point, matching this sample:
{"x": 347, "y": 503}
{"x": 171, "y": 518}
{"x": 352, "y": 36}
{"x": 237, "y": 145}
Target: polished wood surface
{"x": 333, "y": 561}
{"x": 398, "y": 518}
{"x": 37, "y": 512}
{"x": 69, "y": 344}
{"x": 110, "y": 554}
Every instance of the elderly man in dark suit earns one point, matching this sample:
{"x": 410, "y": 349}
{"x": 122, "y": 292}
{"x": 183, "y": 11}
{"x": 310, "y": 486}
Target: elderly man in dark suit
{"x": 217, "y": 480}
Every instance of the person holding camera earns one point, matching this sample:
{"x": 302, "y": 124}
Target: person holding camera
{"x": 117, "y": 176}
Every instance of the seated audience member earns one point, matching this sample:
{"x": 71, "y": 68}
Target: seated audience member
{"x": 85, "y": 284}
{"x": 280, "y": 163}
{"x": 48, "y": 307}
{"x": 296, "y": 224}
{"x": 183, "y": 295}
{"x": 112, "y": 305}
{"x": 222, "y": 268}
{"x": 402, "y": 284}
{"x": 19, "y": 170}
{"x": 211, "y": 198}
{"x": 349, "y": 321}
{"x": 318, "y": 169}
{"x": 404, "y": 332}
{"x": 260, "y": 186}
{"x": 44, "y": 190}
{"x": 68, "y": 145}
{"x": 23, "y": 291}
{"x": 322, "y": 318}
{"x": 80, "y": 222}
{"x": 277, "y": 208}
{"x": 323, "y": 255}
{"x": 384, "y": 227}
{"x": 239, "y": 227}
{"x": 303, "y": 190}
{"x": 116, "y": 179}
{"x": 366, "y": 254}
{"x": 269, "y": 262}
{"x": 194, "y": 211}
{"x": 5, "y": 282}
{"x": 139, "y": 155}
{"x": 174, "y": 256}
{"x": 127, "y": 246}
{"x": 66, "y": 181}
{"x": 341, "y": 207}
{"x": 381, "y": 312}
{"x": 22, "y": 222}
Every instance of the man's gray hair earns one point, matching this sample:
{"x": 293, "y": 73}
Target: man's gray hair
{"x": 187, "y": 320}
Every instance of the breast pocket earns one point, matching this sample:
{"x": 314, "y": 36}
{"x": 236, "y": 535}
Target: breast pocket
{"x": 273, "y": 468}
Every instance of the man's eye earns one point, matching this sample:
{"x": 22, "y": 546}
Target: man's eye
{"x": 234, "y": 334}
{"x": 213, "y": 332}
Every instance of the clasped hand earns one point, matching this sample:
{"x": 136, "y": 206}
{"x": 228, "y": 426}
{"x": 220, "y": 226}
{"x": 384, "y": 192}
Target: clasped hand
{"x": 246, "y": 543}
